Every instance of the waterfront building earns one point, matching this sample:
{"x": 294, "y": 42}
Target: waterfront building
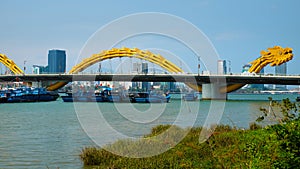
{"x": 136, "y": 68}
{"x": 172, "y": 86}
{"x": 145, "y": 68}
{"x": 222, "y": 69}
{"x": 145, "y": 85}
{"x": 281, "y": 70}
{"x": 56, "y": 61}
{"x": 37, "y": 69}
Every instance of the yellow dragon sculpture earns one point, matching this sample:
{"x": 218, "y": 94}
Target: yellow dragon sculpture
{"x": 274, "y": 56}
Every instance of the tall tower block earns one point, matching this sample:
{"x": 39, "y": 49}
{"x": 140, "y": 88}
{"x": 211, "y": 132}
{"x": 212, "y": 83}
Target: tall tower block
{"x": 57, "y": 61}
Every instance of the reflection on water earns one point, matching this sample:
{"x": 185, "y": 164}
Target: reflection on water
{"x": 41, "y": 135}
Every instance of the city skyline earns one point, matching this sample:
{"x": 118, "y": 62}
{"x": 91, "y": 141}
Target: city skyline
{"x": 236, "y": 29}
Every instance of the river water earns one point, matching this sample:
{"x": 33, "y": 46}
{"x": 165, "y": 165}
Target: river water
{"x": 50, "y": 135}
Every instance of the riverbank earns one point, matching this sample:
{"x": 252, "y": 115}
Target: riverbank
{"x": 35, "y": 137}
{"x": 274, "y": 146}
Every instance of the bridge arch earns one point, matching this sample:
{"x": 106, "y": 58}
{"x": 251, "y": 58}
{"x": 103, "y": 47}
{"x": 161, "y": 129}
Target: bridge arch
{"x": 122, "y": 52}
{"x": 126, "y": 52}
{"x": 10, "y": 64}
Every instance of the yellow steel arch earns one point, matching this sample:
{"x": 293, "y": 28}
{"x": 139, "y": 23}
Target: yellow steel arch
{"x": 10, "y": 64}
{"x": 127, "y": 52}
{"x": 123, "y": 52}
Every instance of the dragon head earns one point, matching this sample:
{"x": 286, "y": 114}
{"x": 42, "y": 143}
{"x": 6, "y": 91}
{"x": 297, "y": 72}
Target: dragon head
{"x": 274, "y": 56}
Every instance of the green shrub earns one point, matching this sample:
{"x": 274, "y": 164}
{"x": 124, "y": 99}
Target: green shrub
{"x": 255, "y": 126}
{"x": 288, "y": 136}
{"x": 275, "y": 146}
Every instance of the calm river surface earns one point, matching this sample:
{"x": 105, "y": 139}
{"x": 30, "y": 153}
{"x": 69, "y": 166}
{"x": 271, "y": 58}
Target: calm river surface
{"x": 49, "y": 135}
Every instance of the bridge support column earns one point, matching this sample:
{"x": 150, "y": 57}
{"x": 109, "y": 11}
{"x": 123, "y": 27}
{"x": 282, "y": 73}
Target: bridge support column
{"x": 211, "y": 91}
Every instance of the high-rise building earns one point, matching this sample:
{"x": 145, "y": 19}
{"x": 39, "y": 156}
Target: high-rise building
{"x": 222, "y": 69}
{"x": 172, "y": 86}
{"x": 56, "y": 61}
{"x": 136, "y": 68}
{"x": 145, "y": 85}
{"x": 145, "y": 68}
{"x": 281, "y": 70}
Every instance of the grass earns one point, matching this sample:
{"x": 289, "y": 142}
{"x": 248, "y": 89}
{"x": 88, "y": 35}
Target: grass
{"x": 275, "y": 146}
{"x": 226, "y": 148}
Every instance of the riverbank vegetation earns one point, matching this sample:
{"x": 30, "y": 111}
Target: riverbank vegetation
{"x": 274, "y": 146}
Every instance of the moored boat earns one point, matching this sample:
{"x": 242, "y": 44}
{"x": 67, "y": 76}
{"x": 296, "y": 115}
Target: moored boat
{"x": 146, "y": 97}
{"x": 3, "y": 97}
{"x": 26, "y": 94}
{"x": 78, "y": 97}
{"x": 105, "y": 95}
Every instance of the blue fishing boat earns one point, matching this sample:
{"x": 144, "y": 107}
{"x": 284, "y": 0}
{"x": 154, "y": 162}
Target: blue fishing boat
{"x": 26, "y": 94}
{"x": 146, "y": 97}
{"x": 106, "y": 94}
{"x": 3, "y": 97}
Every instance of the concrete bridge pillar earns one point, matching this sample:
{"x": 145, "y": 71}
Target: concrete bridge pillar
{"x": 211, "y": 91}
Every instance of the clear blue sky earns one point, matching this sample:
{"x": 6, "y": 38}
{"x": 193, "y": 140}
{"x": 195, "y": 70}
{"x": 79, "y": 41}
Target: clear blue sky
{"x": 239, "y": 30}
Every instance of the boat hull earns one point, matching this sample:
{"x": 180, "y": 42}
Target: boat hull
{"x": 32, "y": 98}
{"x": 27, "y": 95}
{"x": 146, "y": 98}
{"x": 93, "y": 99}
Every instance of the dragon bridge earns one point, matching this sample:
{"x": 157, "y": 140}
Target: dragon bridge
{"x": 274, "y": 56}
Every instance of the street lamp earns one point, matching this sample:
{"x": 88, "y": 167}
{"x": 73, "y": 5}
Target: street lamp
{"x": 198, "y": 65}
{"x": 25, "y": 66}
{"x": 99, "y": 68}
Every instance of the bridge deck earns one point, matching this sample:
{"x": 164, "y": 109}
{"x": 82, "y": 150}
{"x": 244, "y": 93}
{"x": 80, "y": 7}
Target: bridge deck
{"x": 201, "y": 79}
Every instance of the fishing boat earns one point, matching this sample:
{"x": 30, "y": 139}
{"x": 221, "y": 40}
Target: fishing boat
{"x": 146, "y": 97}
{"x": 79, "y": 97}
{"x": 104, "y": 95}
{"x": 27, "y": 94}
{"x": 3, "y": 97}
